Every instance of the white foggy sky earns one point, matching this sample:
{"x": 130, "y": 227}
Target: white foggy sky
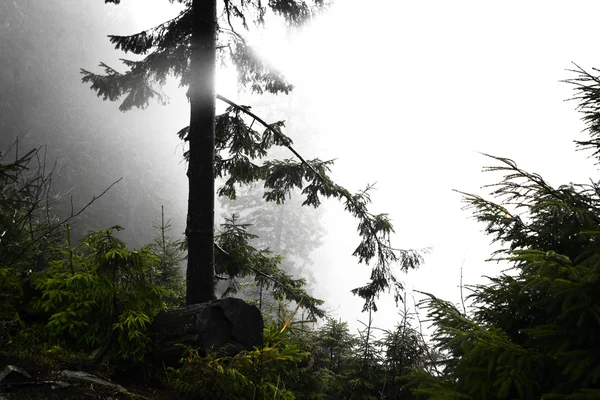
{"x": 406, "y": 94}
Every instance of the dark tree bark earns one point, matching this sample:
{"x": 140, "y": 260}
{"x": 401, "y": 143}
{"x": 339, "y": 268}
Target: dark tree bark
{"x": 200, "y": 220}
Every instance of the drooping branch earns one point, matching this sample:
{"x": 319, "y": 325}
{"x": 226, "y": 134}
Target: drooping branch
{"x": 282, "y": 283}
{"x": 257, "y": 271}
{"x": 375, "y": 230}
{"x": 247, "y": 111}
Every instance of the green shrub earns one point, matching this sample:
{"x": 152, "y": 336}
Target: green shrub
{"x": 263, "y": 373}
{"x": 100, "y": 291}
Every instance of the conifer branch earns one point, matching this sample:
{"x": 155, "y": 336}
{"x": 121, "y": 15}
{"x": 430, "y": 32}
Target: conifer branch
{"x": 306, "y": 304}
{"x": 228, "y": 13}
{"x": 587, "y": 93}
{"x": 278, "y": 134}
{"x": 258, "y": 272}
{"x": 374, "y": 229}
{"x": 169, "y": 48}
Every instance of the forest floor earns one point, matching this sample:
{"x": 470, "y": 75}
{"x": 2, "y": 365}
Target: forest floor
{"x": 29, "y": 379}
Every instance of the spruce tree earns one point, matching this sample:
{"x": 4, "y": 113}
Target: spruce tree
{"x": 187, "y": 47}
{"x": 532, "y": 331}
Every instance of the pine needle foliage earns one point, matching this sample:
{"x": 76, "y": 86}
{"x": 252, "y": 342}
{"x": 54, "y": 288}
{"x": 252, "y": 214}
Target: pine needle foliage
{"x": 403, "y": 350}
{"x": 370, "y": 365}
{"x": 238, "y": 259}
{"x": 166, "y": 51}
{"x": 170, "y": 254}
{"x": 334, "y": 345}
{"x": 286, "y": 229}
{"x": 100, "y": 289}
{"x": 532, "y": 331}
{"x": 587, "y": 91}
{"x": 238, "y": 145}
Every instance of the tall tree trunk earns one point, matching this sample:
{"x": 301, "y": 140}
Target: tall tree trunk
{"x": 200, "y": 220}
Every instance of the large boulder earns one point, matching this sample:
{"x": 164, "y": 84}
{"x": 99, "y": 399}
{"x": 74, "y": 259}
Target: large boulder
{"x": 227, "y": 326}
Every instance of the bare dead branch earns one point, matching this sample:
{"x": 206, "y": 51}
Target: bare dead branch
{"x": 55, "y": 227}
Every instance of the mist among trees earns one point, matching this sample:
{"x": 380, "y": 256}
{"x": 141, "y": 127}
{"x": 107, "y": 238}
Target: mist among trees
{"x": 94, "y": 245}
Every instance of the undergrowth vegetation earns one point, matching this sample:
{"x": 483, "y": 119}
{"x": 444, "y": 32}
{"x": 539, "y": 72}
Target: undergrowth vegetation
{"x": 263, "y": 373}
{"x": 529, "y": 333}
{"x": 88, "y": 303}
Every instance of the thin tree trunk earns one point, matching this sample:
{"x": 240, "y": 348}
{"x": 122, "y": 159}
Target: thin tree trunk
{"x": 200, "y": 220}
